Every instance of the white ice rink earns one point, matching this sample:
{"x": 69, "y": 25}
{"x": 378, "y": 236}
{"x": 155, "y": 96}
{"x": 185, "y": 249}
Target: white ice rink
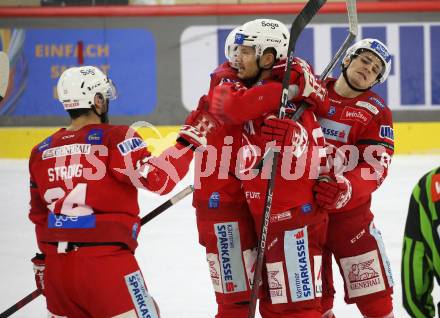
{"x": 169, "y": 255}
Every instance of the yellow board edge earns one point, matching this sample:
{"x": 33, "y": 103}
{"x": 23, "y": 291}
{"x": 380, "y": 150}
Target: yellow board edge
{"x": 410, "y": 138}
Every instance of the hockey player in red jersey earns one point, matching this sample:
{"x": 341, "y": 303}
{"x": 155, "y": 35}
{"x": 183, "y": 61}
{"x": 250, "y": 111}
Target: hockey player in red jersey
{"x": 224, "y": 223}
{"x": 358, "y": 122}
{"x": 83, "y": 185}
{"x": 291, "y": 284}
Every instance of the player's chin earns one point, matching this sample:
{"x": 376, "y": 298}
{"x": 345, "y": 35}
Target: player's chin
{"x": 359, "y": 83}
{"x": 241, "y": 74}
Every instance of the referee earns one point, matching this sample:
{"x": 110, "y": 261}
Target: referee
{"x": 421, "y": 247}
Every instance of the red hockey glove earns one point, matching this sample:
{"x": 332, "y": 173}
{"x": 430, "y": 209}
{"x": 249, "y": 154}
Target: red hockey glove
{"x": 332, "y": 193}
{"x": 198, "y": 125}
{"x": 310, "y": 88}
{"x": 221, "y": 101}
{"x": 203, "y": 103}
{"x": 287, "y": 133}
{"x": 39, "y": 267}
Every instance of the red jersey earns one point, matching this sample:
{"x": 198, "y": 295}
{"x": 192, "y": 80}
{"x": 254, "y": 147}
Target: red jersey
{"x": 297, "y": 174}
{"x": 84, "y": 183}
{"x": 216, "y": 187}
{"x": 294, "y": 178}
{"x": 366, "y": 123}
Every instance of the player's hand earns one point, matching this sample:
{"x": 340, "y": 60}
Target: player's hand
{"x": 332, "y": 192}
{"x": 221, "y": 100}
{"x": 286, "y": 133}
{"x": 39, "y": 266}
{"x": 203, "y": 103}
{"x": 310, "y": 89}
{"x": 198, "y": 126}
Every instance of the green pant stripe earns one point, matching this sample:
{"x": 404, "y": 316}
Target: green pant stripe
{"x": 409, "y": 298}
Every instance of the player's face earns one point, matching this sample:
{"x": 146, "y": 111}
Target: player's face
{"x": 247, "y": 62}
{"x": 364, "y": 70}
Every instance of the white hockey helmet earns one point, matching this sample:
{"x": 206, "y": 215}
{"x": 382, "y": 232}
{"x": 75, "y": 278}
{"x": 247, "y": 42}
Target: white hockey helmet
{"x": 262, "y": 34}
{"x": 77, "y": 87}
{"x": 231, "y": 49}
{"x": 378, "y": 48}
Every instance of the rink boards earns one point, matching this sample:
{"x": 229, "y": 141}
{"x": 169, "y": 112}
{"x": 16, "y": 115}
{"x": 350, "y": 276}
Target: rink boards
{"x": 410, "y": 138}
{"x": 160, "y": 58}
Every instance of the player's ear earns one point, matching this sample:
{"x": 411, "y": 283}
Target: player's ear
{"x": 346, "y": 61}
{"x": 267, "y": 60}
{"x": 99, "y": 100}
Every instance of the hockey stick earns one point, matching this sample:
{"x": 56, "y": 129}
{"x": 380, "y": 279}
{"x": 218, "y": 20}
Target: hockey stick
{"x": 302, "y": 19}
{"x": 4, "y": 74}
{"x": 353, "y": 31}
{"x": 21, "y": 303}
{"x": 147, "y": 218}
{"x": 167, "y": 204}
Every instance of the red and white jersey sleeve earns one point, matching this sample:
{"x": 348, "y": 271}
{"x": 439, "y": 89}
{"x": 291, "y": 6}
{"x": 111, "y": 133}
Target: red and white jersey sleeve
{"x": 216, "y": 187}
{"x": 83, "y": 183}
{"x": 132, "y": 163}
{"x": 235, "y": 103}
{"x": 364, "y": 122}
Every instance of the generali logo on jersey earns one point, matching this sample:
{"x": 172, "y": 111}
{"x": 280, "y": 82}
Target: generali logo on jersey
{"x": 362, "y": 274}
{"x": 350, "y": 113}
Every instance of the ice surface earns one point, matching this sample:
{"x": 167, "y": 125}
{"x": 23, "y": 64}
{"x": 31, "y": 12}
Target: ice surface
{"x": 170, "y": 257}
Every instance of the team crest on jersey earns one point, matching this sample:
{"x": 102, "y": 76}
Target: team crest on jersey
{"x": 94, "y": 137}
{"x": 435, "y": 188}
{"x": 331, "y": 111}
{"x": 130, "y": 145}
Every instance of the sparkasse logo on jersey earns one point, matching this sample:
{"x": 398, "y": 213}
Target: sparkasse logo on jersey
{"x": 298, "y": 260}
{"x": 334, "y": 130}
{"x": 229, "y": 249}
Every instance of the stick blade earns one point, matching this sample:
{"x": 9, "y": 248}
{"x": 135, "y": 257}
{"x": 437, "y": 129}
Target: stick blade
{"x": 4, "y": 73}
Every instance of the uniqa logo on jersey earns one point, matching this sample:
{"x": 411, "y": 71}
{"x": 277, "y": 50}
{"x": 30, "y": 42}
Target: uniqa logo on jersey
{"x": 229, "y": 252}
